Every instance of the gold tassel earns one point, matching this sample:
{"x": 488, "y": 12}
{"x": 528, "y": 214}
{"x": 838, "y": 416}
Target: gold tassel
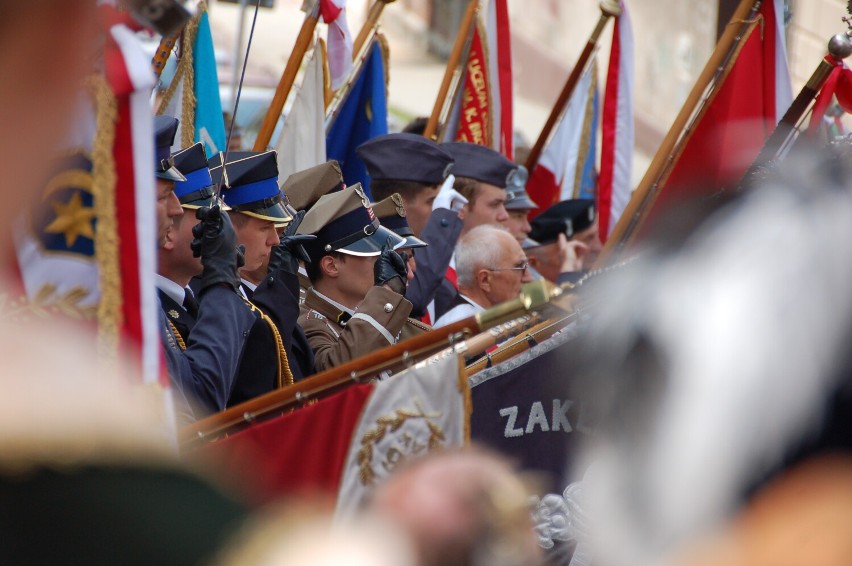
{"x": 285, "y": 375}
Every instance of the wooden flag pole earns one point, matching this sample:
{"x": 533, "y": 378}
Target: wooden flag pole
{"x": 839, "y": 48}
{"x": 533, "y": 296}
{"x": 643, "y": 197}
{"x": 609, "y": 8}
{"x": 288, "y": 77}
{"x": 164, "y": 50}
{"x": 372, "y": 20}
{"x": 453, "y": 62}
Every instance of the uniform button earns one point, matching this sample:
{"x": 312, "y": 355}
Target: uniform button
{"x": 444, "y": 222}
{"x": 271, "y": 280}
{"x": 388, "y": 307}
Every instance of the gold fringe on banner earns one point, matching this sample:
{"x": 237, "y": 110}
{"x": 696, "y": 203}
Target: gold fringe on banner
{"x": 106, "y": 235}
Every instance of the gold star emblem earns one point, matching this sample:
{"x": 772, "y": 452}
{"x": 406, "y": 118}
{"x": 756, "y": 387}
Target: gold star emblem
{"x": 72, "y": 219}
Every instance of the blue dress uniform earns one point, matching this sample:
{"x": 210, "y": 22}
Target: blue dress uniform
{"x": 412, "y": 158}
{"x": 481, "y": 164}
{"x": 277, "y": 353}
{"x": 202, "y": 367}
{"x": 344, "y": 223}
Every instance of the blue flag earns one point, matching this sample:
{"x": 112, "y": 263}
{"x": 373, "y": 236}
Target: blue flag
{"x": 209, "y": 123}
{"x": 363, "y": 116}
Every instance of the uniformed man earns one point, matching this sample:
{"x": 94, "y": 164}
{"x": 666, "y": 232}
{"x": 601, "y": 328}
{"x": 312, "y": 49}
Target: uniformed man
{"x": 482, "y": 176}
{"x": 419, "y": 170}
{"x": 568, "y": 240}
{"x": 356, "y": 304}
{"x": 203, "y": 367}
{"x": 391, "y": 213}
{"x": 176, "y": 264}
{"x": 491, "y": 267}
{"x": 276, "y": 352}
{"x": 518, "y": 206}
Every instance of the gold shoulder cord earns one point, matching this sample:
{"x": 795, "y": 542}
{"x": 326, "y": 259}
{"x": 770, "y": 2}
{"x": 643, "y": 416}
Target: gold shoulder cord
{"x": 181, "y": 344}
{"x": 285, "y": 376}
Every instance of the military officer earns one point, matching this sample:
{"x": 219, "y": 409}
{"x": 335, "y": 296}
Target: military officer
{"x": 482, "y": 176}
{"x": 203, "y": 367}
{"x": 391, "y": 214}
{"x": 419, "y": 170}
{"x": 276, "y": 353}
{"x": 568, "y": 240}
{"x": 356, "y": 304}
{"x": 518, "y": 206}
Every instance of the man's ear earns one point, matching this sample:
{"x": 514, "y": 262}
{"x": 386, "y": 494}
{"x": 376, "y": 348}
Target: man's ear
{"x": 533, "y": 261}
{"x": 169, "y": 242}
{"x": 483, "y": 279}
{"x": 328, "y": 266}
{"x": 465, "y": 210}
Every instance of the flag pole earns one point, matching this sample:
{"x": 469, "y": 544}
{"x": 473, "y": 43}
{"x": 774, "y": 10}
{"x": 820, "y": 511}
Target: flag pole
{"x": 372, "y": 20}
{"x": 741, "y": 22}
{"x": 452, "y": 63}
{"x": 288, "y": 77}
{"x": 533, "y": 297}
{"x": 839, "y": 48}
{"x": 609, "y": 8}
{"x": 164, "y": 50}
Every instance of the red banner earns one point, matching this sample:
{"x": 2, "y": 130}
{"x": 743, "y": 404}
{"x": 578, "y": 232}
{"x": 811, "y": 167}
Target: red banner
{"x": 474, "y": 119}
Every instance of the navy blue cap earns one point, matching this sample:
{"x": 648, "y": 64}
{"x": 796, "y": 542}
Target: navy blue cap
{"x": 405, "y": 157}
{"x": 198, "y": 190}
{"x": 517, "y": 197}
{"x": 484, "y": 165}
{"x": 344, "y": 221}
{"x": 391, "y": 213}
{"x": 575, "y": 214}
{"x": 250, "y": 185}
{"x": 165, "y": 128}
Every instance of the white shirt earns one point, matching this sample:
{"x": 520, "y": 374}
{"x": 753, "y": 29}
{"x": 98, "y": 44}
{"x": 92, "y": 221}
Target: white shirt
{"x": 459, "y": 312}
{"x": 170, "y": 288}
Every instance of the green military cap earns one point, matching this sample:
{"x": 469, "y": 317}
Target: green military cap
{"x": 304, "y": 188}
{"x": 344, "y": 221}
{"x": 391, "y": 213}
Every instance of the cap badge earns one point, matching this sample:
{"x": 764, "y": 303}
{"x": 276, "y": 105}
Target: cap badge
{"x": 400, "y": 205}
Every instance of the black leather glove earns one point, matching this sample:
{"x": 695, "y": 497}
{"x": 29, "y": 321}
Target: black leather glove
{"x": 216, "y": 243}
{"x": 390, "y": 269}
{"x": 287, "y": 254}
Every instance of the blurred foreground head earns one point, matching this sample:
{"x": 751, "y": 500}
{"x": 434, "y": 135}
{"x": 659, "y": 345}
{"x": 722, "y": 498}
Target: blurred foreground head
{"x": 717, "y": 367}
{"x": 462, "y": 508}
{"x": 46, "y": 48}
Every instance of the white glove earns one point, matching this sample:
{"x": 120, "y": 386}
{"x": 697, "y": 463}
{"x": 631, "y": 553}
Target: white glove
{"x": 448, "y": 197}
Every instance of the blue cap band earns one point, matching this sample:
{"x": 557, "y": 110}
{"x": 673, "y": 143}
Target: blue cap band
{"x": 251, "y": 192}
{"x": 195, "y": 180}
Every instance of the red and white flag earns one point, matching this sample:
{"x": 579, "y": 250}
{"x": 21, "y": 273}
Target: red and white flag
{"x": 559, "y": 172}
{"x": 346, "y": 444}
{"x": 90, "y": 251}
{"x": 615, "y": 181}
{"x": 333, "y": 13}
{"x": 739, "y": 116}
{"x": 483, "y": 109}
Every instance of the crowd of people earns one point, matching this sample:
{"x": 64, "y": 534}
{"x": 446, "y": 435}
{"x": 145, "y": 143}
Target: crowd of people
{"x": 264, "y": 282}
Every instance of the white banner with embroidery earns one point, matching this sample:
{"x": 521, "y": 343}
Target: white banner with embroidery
{"x": 408, "y": 415}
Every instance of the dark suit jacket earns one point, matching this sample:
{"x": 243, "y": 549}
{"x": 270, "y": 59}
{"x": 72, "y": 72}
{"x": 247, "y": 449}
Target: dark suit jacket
{"x": 441, "y": 233}
{"x": 177, "y": 315}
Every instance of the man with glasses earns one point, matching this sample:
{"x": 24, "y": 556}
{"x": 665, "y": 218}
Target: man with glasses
{"x": 491, "y": 268}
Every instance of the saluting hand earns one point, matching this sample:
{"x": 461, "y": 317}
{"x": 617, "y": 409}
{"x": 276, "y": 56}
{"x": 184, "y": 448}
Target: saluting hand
{"x": 390, "y": 270}
{"x": 216, "y": 243}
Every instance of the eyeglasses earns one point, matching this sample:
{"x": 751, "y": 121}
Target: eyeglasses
{"x": 522, "y": 267}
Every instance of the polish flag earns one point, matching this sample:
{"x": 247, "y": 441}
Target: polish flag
{"x": 333, "y": 13}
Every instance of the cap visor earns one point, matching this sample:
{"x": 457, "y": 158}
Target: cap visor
{"x": 276, "y": 213}
{"x": 413, "y": 242}
{"x": 524, "y": 203}
{"x": 372, "y": 244}
{"x": 170, "y": 174}
{"x": 202, "y": 202}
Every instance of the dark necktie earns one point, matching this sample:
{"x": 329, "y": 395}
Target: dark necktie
{"x": 189, "y": 303}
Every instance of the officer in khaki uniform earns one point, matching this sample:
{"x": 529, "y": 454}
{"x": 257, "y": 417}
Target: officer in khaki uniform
{"x": 391, "y": 213}
{"x": 356, "y": 304}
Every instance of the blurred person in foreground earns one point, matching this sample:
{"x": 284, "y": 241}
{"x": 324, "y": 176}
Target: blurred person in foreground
{"x": 461, "y": 508}
{"x": 719, "y": 370}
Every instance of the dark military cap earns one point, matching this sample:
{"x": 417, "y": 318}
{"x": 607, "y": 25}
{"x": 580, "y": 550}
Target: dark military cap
{"x": 405, "y": 157}
{"x": 484, "y": 165}
{"x": 575, "y": 214}
{"x": 198, "y": 189}
{"x": 391, "y": 213}
{"x": 165, "y": 128}
{"x": 250, "y": 185}
{"x": 343, "y": 221}
{"x": 516, "y": 193}
{"x": 304, "y": 188}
